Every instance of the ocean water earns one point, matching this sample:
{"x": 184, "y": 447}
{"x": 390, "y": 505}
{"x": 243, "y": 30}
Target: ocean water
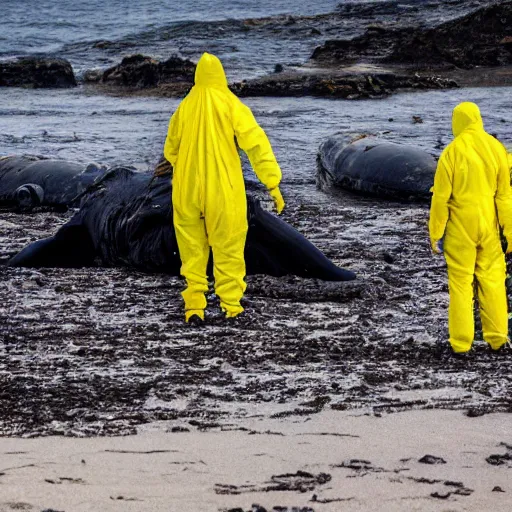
{"x": 98, "y": 33}
{"x": 71, "y": 29}
{"x": 47, "y": 25}
{"x": 79, "y": 125}
{"x": 88, "y": 127}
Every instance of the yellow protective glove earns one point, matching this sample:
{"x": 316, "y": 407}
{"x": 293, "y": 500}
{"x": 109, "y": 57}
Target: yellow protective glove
{"x": 437, "y": 246}
{"x": 275, "y": 194}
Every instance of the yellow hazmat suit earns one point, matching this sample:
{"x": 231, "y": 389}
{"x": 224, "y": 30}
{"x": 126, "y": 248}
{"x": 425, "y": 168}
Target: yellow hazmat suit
{"x": 208, "y": 192}
{"x": 472, "y": 197}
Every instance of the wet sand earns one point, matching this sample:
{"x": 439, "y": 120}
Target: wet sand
{"x": 100, "y": 351}
{"x": 104, "y": 352}
{"x": 333, "y": 461}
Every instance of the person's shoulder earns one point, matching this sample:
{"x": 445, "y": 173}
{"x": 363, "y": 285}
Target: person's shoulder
{"x": 236, "y": 101}
{"x": 449, "y": 149}
{"x": 495, "y": 143}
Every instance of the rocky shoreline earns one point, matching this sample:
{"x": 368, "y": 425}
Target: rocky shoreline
{"x": 468, "y": 50}
{"x": 37, "y": 72}
{"x": 345, "y": 85}
{"x": 482, "y": 38}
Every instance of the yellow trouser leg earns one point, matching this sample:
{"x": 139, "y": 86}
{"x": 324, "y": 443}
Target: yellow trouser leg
{"x": 492, "y": 295}
{"x": 194, "y": 253}
{"x": 229, "y": 272}
{"x": 461, "y": 324}
{"x": 460, "y": 258}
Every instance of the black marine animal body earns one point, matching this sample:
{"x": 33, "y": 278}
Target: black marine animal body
{"x": 125, "y": 218}
{"x": 27, "y": 182}
{"x": 375, "y": 167}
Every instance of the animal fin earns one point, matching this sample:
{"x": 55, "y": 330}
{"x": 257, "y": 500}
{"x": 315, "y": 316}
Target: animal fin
{"x": 70, "y": 247}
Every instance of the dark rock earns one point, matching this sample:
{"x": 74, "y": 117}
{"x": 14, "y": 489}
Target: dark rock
{"x": 454, "y": 484}
{"x": 478, "y": 39}
{"x": 317, "y": 403}
{"x": 301, "y": 481}
{"x": 476, "y": 412}
{"x": 180, "y": 429}
{"x": 93, "y": 75}
{"x": 431, "y": 459}
{"x": 422, "y": 480}
{"x": 440, "y": 495}
{"x": 102, "y": 45}
{"x": 142, "y": 71}
{"x": 356, "y": 465}
{"x": 37, "y": 72}
{"x": 388, "y": 258}
{"x": 497, "y": 489}
{"x": 278, "y": 68}
{"x": 292, "y": 509}
{"x": 338, "y": 86}
{"x": 498, "y": 459}
{"x": 463, "y": 491}
{"x": 482, "y": 38}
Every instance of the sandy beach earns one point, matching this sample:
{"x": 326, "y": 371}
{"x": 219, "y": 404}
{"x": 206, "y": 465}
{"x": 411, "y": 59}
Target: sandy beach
{"x": 323, "y": 396}
{"x": 332, "y": 461}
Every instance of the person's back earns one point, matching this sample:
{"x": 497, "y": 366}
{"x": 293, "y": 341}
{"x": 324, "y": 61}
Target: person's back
{"x": 207, "y": 152}
{"x": 208, "y": 194}
{"x": 471, "y": 198}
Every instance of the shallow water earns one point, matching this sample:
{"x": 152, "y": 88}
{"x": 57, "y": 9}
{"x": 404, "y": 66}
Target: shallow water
{"x": 75, "y": 125}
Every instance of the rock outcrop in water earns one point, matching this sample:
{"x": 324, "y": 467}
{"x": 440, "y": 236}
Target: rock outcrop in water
{"x": 482, "y": 38}
{"x": 141, "y": 74}
{"x": 37, "y": 72}
{"x": 141, "y": 71}
{"x": 346, "y": 86}
{"x": 391, "y": 53}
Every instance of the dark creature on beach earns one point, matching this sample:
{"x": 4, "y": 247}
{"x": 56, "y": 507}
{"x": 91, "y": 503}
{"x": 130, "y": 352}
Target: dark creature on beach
{"x": 125, "y": 218}
{"x": 375, "y": 167}
{"x": 27, "y": 182}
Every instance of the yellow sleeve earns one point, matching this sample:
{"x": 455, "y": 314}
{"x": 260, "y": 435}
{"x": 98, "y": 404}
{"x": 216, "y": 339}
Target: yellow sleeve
{"x": 442, "y": 191}
{"x": 253, "y": 140}
{"x": 503, "y": 195}
{"x": 172, "y": 142}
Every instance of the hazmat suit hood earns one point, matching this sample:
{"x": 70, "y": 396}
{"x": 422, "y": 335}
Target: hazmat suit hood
{"x": 466, "y": 115}
{"x": 209, "y": 72}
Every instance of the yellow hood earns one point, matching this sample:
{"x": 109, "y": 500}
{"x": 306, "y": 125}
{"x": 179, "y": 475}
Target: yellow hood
{"x": 209, "y": 72}
{"x": 466, "y": 115}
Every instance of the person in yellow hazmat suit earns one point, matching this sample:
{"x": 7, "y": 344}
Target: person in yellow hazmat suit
{"x": 208, "y": 191}
{"x": 471, "y": 199}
